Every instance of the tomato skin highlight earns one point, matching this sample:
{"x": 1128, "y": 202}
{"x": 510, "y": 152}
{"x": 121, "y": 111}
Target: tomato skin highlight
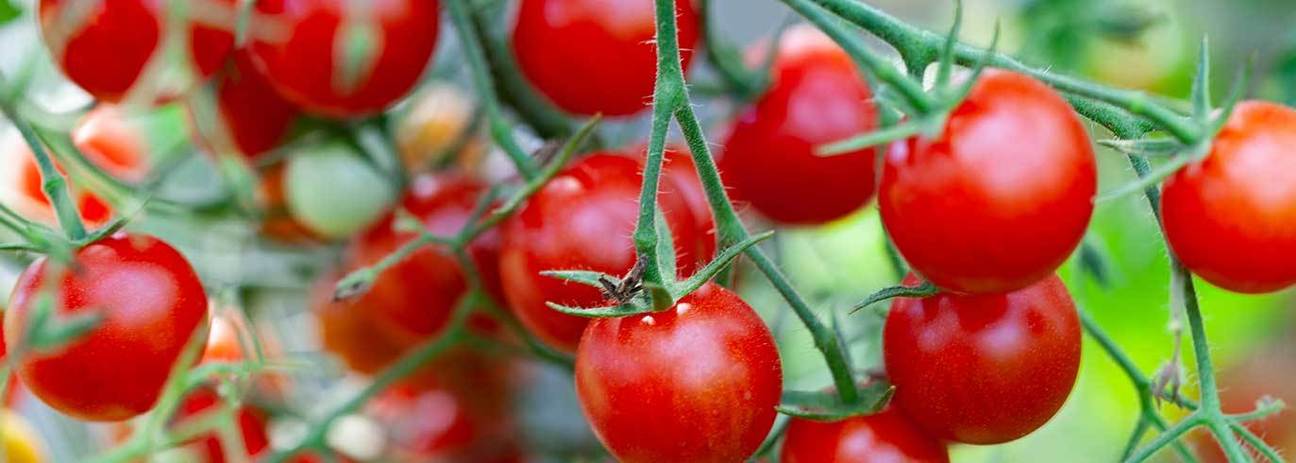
{"x": 596, "y": 56}
{"x": 584, "y": 219}
{"x": 152, "y": 304}
{"x": 885, "y": 437}
{"x": 1001, "y": 198}
{"x": 704, "y": 377}
{"x": 107, "y": 53}
{"x": 297, "y": 53}
{"x": 983, "y": 369}
{"x": 817, "y": 97}
{"x": 1231, "y": 217}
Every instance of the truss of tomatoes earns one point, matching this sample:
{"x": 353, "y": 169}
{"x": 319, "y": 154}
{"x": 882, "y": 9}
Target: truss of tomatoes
{"x": 986, "y": 210}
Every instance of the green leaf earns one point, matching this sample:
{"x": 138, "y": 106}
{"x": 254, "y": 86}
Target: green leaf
{"x": 611, "y": 311}
{"x": 665, "y": 251}
{"x": 1094, "y": 262}
{"x": 870, "y": 139}
{"x": 1201, "y": 83}
{"x": 721, "y": 261}
{"x": 1145, "y": 146}
{"x": 826, "y": 406}
{"x": 9, "y": 11}
{"x": 923, "y": 290}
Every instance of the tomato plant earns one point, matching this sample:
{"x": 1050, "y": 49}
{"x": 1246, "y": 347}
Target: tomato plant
{"x": 1231, "y": 217}
{"x": 563, "y": 46}
{"x": 253, "y": 118}
{"x": 887, "y": 436}
{"x": 816, "y": 96}
{"x": 983, "y": 369}
{"x": 582, "y": 220}
{"x": 134, "y": 284}
{"x": 702, "y": 386}
{"x": 106, "y": 47}
{"x": 1000, "y": 199}
{"x": 298, "y": 51}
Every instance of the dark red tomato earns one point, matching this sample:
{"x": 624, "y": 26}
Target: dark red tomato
{"x": 415, "y": 298}
{"x": 583, "y": 220}
{"x": 1231, "y": 218}
{"x": 886, "y": 437}
{"x": 251, "y": 422}
{"x": 1001, "y": 198}
{"x": 109, "y": 141}
{"x": 151, "y": 303}
{"x": 253, "y": 118}
{"x": 596, "y": 56}
{"x": 297, "y": 47}
{"x": 445, "y": 425}
{"x": 697, "y": 382}
{"x": 983, "y": 369}
{"x": 817, "y": 96}
{"x": 106, "y": 50}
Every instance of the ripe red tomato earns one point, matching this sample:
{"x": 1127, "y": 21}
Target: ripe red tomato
{"x": 697, "y": 382}
{"x": 1231, "y": 217}
{"x": 251, "y": 422}
{"x": 885, "y": 437}
{"x": 298, "y": 50}
{"x": 151, "y": 303}
{"x": 596, "y": 56}
{"x": 583, "y": 219}
{"x": 1000, "y": 199}
{"x": 253, "y": 118}
{"x": 817, "y": 96}
{"x": 107, "y": 139}
{"x": 106, "y": 51}
{"x": 444, "y": 425}
{"x": 414, "y": 299}
{"x": 983, "y": 369}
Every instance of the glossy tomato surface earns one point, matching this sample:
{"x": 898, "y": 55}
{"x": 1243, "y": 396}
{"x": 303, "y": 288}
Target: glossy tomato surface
{"x": 817, "y": 96}
{"x": 596, "y": 56}
{"x": 109, "y": 141}
{"x": 1001, "y": 198}
{"x": 251, "y": 118}
{"x": 697, "y": 382}
{"x": 583, "y": 219}
{"x": 107, "y": 48}
{"x": 885, "y": 437}
{"x": 1231, "y": 217}
{"x": 298, "y": 50}
{"x": 983, "y": 369}
{"x": 137, "y": 284}
{"x": 415, "y": 298}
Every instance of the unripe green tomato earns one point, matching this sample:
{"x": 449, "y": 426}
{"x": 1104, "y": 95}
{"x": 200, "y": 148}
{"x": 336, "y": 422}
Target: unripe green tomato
{"x": 334, "y": 192}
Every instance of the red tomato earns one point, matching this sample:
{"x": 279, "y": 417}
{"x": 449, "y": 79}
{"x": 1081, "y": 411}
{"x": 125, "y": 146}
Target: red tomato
{"x": 596, "y": 56}
{"x": 886, "y": 437}
{"x": 298, "y": 41}
{"x": 251, "y": 422}
{"x": 817, "y": 96}
{"x": 1001, "y": 198}
{"x": 1231, "y": 218}
{"x": 253, "y": 118}
{"x": 151, "y": 303}
{"x": 583, "y": 219}
{"x": 415, "y": 298}
{"x": 678, "y": 165}
{"x": 444, "y": 425}
{"x": 108, "y": 140}
{"x": 223, "y": 343}
{"x": 983, "y": 369}
{"x": 106, "y": 50}
{"x": 348, "y": 331}
{"x": 697, "y": 382}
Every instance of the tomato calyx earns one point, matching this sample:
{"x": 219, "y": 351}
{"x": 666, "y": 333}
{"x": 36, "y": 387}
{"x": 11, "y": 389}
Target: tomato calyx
{"x": 827, "y": 405}
{"x": 922, "y": 289}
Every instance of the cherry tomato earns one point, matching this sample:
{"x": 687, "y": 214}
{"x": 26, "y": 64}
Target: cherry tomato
{"x": 885, "y": 437}
{"x": 252, "y": 118}
{"x": 106, "y": 48}
{"x": 334, "y": 191}
{"x": 440, "y": 123}
{"x": 251, "y": 423}
{"x": 444, "y": 425}
{"x": 298, "y": 48}
{"x": 107, "y": 138}
{"x": 1231, "y": 217}
{"x": 277, "y": 222}
{"x": 596, "y": 56}
{"x": 583, "y": 219}
{"x": 817, "y": 96}
{"x": 697, "y": 382}
{"x": 223, "y": 343}
{"x": 415, "y": 298}
{"x": 1001, "y": 198}
{"x": 983, "y": 369}
{"x": 151, "y": 303}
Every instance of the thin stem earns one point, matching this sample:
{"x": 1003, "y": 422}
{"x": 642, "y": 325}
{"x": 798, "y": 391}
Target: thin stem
{"x": 1170, "y": 435}
{"x": 513, "y": 88}
{"x": 501, "y": 130}
{"x": 52, "y": 182}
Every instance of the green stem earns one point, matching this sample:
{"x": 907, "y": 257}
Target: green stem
{"x": 52, "y": 182}
{"x": 500, "y": 129}
{"x": 512, "y": 86}
{"x": 740, "y": 82}
{"x": 1165, "y": 438}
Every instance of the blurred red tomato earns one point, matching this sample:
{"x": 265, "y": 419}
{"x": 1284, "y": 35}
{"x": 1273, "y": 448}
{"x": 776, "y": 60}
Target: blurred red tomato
{"x": 251, "y": 118}
{"x": 885, "y": 437}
